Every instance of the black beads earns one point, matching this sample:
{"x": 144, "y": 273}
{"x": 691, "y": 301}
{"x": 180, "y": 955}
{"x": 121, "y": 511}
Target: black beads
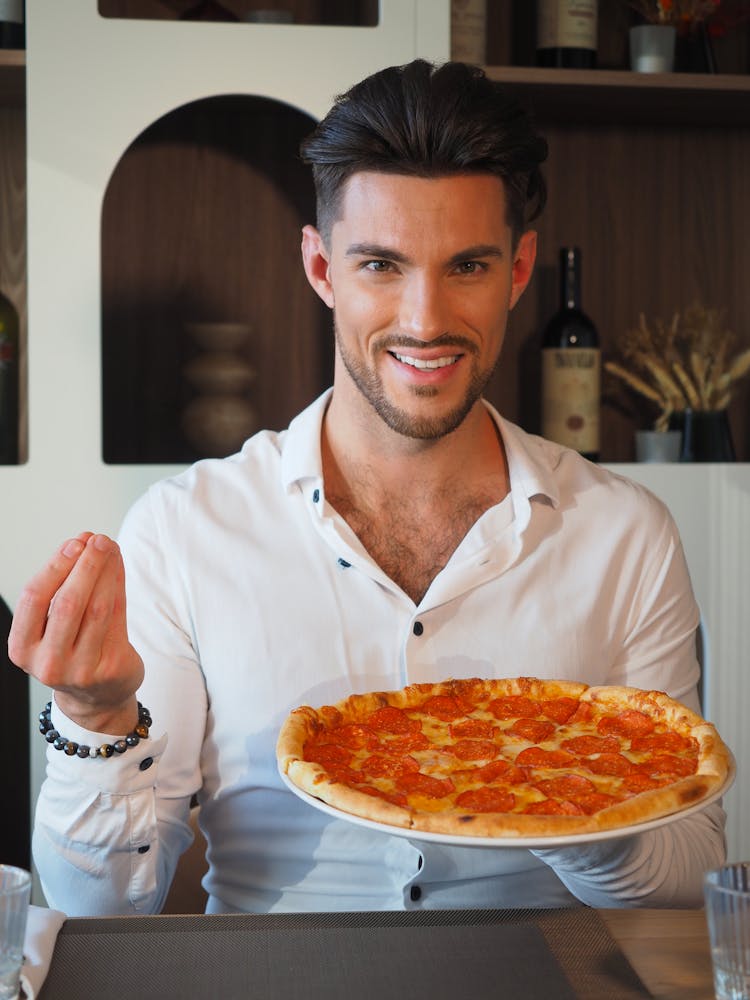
{"x": 72, "y": 749}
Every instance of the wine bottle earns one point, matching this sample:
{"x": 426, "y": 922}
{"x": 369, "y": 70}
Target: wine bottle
{"x": 571, "y": 367}
{"x": 9, "y": 395}
{"x": 469, "y": 31}
{"x": 12, "y": 25}
{"x": 566, "y": 33}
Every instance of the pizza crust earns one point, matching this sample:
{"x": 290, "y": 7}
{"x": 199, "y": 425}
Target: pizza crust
{"x": 304, "y": 723}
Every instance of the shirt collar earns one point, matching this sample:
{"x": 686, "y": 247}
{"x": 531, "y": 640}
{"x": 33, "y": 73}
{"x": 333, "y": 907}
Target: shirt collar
{"x": 530, "y": 459}
{"x": 301, "y": 458}
{"x": 531, "y": 469}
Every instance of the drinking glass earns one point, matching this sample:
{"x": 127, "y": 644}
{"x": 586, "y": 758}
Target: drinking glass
{"x": 727, "y": 895}
{"x": 15, "y": 889}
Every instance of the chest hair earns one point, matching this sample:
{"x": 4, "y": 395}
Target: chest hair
{"x": 412, "y": 548}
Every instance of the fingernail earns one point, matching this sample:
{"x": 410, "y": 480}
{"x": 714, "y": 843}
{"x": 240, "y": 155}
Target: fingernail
{"x": 72, "y": 548}
{"x": 102, "y": 543}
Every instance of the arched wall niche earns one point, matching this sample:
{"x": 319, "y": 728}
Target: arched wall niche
{"x": 201, "y": 223}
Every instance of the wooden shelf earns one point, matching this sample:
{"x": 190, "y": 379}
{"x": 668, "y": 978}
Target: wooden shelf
{"x": 567, "y": 96}
{"x": 12, "y": 78}
{"x": 616, "y": 97}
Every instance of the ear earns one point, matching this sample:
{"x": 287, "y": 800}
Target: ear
{"x": 315, "y": 258}
{"x": 523, "y": 265}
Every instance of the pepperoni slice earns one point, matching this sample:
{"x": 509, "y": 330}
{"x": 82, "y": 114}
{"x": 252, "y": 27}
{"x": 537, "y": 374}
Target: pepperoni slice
{"x": 629, "y": 723}
{"x": 667, "y": 764}
{"x": 425, "y": 784}
{"x": 537, "y": 757}
{"x": 443, "y": 707}
{"x": 486, "y": 800}
{"x": 474, "y": 750}
{"x": 326, "y": 753}
{"x": 340, "y": 772}
{"x": 566, "y": 786}
{"x": 473, "y": 729}
{"x": 355, "y": 736}
{"x": 585, "y": 746}
{"x": 515, "y": 706}
{"x": 396, "y": 798}
{"x": 390, "y": 719}
{"x": 560, "y": 709}
{"x": 551, "y": 807}
{"x": 594, "y": 802}
{"x": 404, "y": 744}
{"x": 666, "y": 742}
{"x": 612, "y": 764}
{"x": 535, "y": 730}
{"x": 381, "y": 766}
{"x": 494, "y": 770}
{"x": 636, "y": 783}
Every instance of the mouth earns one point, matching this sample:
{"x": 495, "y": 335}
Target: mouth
{"x": 426, "y": 364}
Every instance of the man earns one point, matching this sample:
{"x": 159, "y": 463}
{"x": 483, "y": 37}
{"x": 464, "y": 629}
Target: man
{"x": 399, "y": 531}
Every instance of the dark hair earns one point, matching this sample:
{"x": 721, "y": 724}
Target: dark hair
{"x": 428, "y": 121}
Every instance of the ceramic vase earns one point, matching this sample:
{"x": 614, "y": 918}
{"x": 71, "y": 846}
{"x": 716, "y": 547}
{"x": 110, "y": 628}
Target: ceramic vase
{"x": 706, "y": 435}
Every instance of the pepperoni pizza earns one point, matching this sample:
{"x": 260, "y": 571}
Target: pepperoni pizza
{"x": 505, "y": 758}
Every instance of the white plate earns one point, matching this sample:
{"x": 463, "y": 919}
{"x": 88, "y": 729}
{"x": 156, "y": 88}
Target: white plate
{"x": 526, "y": 843}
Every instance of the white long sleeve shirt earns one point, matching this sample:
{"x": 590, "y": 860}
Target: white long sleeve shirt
{"x": 248, "y": 595}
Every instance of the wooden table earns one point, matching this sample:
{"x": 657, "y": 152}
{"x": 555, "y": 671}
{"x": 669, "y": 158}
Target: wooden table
{"x": 667, "y": 948}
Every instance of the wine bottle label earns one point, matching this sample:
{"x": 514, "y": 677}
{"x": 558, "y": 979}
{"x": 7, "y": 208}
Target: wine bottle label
{"x": 570, "y": 397}
{"x": 468, "y": 31}
{"x": 11, "y": 10}
{"x": 566, "y": 24}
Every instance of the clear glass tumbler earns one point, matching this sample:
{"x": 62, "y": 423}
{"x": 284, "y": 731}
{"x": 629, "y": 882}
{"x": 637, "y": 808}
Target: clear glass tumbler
{"x": 15, "y": 889}
{"x": 727, "y": 895}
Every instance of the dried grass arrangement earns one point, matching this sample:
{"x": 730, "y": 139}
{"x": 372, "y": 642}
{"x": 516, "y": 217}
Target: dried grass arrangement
{"x": 686, "y": 364}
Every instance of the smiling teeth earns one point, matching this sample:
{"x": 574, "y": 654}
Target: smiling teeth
{"x": 424, "y": 365}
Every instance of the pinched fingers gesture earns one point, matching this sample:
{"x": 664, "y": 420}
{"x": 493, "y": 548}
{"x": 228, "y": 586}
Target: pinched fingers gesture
{"x": 69, "y": 631}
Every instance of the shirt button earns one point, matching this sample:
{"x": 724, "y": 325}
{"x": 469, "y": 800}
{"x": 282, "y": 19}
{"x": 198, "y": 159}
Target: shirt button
{"x": 146, "y": 763}
{"x": 144, "y": 849}
{"x": 418, "y": 628}
{"x": 316, "y": 496}
{"x": 416, "y": 893}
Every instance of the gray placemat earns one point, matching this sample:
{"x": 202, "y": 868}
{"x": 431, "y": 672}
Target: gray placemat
{"x": 430, "y": 955}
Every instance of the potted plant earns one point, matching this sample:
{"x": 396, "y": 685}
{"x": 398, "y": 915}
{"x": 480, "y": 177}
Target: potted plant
{"x": 687, "y": 371}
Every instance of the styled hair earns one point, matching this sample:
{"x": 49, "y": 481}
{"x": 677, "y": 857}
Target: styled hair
{"x": 427, "y": 120}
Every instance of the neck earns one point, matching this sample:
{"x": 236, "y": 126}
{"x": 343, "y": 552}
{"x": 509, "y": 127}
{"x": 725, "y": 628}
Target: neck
{"x": 369, "y": 464}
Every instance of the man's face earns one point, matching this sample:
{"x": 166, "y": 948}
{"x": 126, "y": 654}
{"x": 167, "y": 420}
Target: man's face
{"x": 421, "y": 274}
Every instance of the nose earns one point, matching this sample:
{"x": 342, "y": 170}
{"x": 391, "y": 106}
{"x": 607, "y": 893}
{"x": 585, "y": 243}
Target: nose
{"x": 423, "y": 312}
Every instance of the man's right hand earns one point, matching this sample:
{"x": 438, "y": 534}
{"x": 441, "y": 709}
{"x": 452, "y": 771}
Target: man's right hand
{"x": 69, "y": 631}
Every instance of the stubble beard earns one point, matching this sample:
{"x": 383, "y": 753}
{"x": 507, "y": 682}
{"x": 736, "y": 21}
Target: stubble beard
{"x": 371, "y": 387}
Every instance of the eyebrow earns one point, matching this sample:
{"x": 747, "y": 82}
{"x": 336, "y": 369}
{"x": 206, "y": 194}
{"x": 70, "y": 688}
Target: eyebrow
{"x": 388, "y": 253}
{"x": 481, "y": 250}
{"x": 375, "y": 250}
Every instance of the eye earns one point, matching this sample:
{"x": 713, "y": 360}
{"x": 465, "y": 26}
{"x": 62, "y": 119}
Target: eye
{"x": 377, "y": 266}
{"x": 471, "y": 267}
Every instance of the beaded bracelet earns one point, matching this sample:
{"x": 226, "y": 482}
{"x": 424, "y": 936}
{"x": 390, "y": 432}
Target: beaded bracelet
{"x": 72, "y": 748}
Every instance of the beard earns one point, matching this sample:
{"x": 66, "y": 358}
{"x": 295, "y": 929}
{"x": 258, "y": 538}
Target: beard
{"x": 424, "y": 428}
